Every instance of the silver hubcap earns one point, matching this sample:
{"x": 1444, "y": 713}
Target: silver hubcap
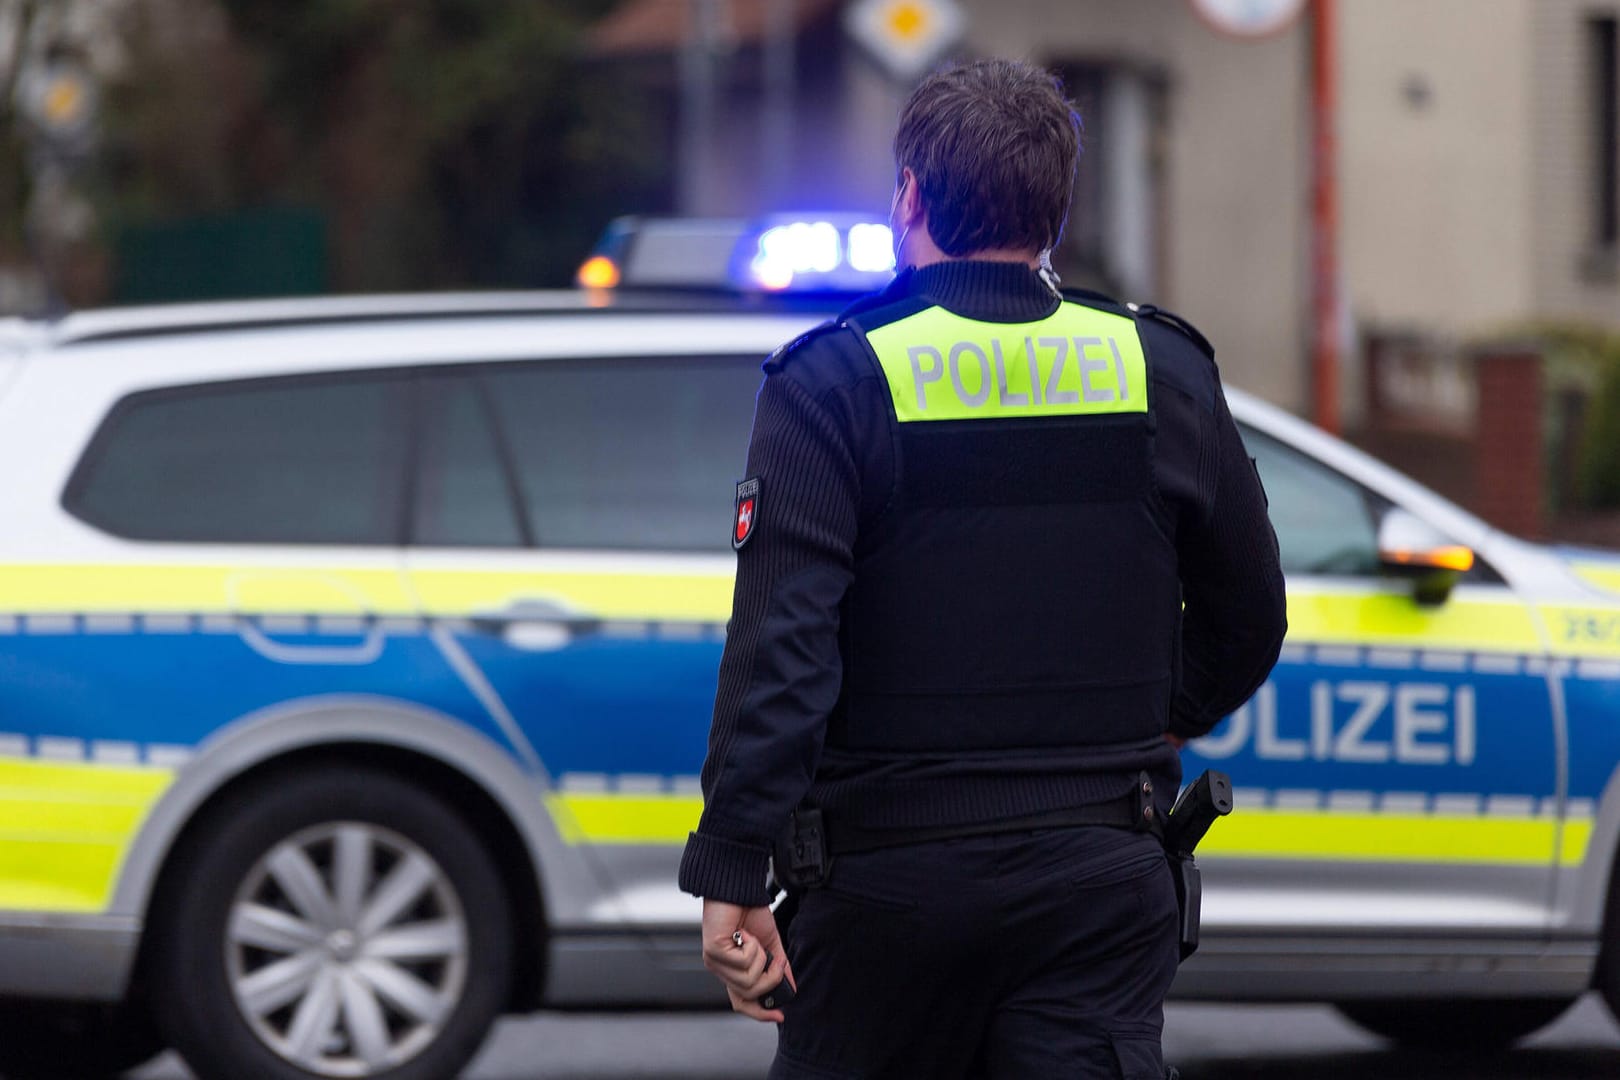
{"x": 347, "y": 949}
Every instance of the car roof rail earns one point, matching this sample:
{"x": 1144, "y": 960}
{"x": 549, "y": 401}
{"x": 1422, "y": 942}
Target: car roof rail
{"x": 163, "y": 320}
{"x": 116, "y": 323}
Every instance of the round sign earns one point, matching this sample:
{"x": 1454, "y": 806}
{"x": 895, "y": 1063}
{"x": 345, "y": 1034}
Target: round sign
{"x": 1249, "y": 18}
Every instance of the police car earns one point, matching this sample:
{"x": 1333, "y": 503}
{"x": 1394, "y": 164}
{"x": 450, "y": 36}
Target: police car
{"x": 357, "y": 656}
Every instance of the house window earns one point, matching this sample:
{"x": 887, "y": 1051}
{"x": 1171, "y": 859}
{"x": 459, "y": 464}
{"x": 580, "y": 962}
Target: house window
{"x": 1601, "y": 36}
{"x": 1113, "y": 239}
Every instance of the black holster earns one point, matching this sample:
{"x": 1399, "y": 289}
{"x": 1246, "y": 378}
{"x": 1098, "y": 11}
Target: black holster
{"x": 1200, "y": 803}
{"x": 801, "y": 859}
{"x": 1189, "y": 900}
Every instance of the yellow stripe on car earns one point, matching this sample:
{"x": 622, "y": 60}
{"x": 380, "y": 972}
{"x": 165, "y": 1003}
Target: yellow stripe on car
{"x": 1582, "y": 631}
{"x": 135, "y": 589}
{"x": 605, "y": 594}
{"x": 624, "y": 819}
{"x": 65, "y": 828}
{"x": 1462, "y": 623}
{"x": 1602, "y": 576}
{"x": 1260, "y": 833}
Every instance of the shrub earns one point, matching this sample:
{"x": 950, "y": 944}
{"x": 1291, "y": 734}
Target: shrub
{"x": 1585, "y": 361}
{"x": 1600, "y": 450}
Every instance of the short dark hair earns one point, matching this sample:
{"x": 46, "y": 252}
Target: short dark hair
{"x": 994, "y": 146}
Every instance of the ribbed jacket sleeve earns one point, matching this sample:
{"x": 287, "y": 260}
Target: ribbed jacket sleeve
{"x": 1235, "y": 612}
{"x": 780, "y": 674}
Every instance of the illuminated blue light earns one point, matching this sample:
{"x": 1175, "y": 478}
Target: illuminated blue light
{"x": 800, "y": 248}
{"x": 871, "y": 248}
{"x": 819, "y": 251}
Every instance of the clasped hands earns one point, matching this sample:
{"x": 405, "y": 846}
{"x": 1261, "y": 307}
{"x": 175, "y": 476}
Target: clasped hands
{"x": 749, "y": 969}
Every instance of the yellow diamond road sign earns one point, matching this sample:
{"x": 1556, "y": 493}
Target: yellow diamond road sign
{"x": 62, "y": 104}
{"x": 906, "y": 36}
{"x": 59, "y": 99}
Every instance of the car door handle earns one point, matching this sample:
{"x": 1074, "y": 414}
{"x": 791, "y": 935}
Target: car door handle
{"x": 530, "y": 617}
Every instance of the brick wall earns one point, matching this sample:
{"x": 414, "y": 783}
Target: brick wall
{"x": 1484, "y": 449}
{"x": 1509, "y": 466}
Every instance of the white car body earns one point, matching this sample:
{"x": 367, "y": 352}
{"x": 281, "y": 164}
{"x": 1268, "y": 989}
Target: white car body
{"x": 1428, "y": 794}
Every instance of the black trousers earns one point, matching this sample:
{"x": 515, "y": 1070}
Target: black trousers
{"x": 1015, "y": 956}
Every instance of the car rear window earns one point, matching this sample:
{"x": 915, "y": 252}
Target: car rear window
{"x": 294, "y": 462}
{"x": 465, "y": 495}
{"x": 626, "y": 453}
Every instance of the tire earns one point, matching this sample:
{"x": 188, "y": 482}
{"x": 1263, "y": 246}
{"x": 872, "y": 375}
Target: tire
{"x": 1607, "y": 977}
{"x": 49, "y": 1040}
{"x": 1455, "y": 1025}
{"x": 332, "y": 923}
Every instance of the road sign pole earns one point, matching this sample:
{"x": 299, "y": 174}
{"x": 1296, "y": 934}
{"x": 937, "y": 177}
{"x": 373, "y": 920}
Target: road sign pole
{"x": 698, "y": 106}
{"x": 776, "y": 133}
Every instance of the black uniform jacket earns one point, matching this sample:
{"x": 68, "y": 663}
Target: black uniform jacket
{"x": 943, "y": 624}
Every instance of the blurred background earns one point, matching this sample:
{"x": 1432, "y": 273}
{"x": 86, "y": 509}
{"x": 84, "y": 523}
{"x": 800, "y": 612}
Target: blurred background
{"x": 1399, "y": 218}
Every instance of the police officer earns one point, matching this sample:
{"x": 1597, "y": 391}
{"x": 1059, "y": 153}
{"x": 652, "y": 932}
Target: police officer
{"x": 1000, "y": 551}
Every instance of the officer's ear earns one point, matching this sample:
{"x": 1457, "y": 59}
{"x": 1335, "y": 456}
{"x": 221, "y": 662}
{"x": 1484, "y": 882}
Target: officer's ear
{"x": 907, "y": 200}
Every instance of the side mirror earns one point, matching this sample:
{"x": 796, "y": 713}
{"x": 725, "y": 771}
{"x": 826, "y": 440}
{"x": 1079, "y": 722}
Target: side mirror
{"x": 1409, "y": 547}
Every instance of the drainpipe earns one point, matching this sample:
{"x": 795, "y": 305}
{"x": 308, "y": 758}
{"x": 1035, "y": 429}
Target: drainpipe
{"x": 1325, "y": 322}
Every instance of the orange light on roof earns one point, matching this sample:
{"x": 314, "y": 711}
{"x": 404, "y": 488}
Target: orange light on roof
{"x": 598, "y": 272}
{"x": 1454, "y": 557}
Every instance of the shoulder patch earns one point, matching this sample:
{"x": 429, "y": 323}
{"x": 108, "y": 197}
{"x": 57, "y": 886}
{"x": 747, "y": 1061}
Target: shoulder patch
{"x": 1171, "y": 319}
{"x": 775, "y": 361}
{"x": 746, "y": 513}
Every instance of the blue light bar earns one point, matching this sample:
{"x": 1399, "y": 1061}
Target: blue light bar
{"x": 814, "y": 253}
{"x": 871, "y": 248}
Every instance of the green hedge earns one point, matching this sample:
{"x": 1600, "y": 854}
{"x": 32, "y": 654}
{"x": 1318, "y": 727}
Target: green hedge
{"x": 1586, "y": 360}
{"x": 1600, "y": 455}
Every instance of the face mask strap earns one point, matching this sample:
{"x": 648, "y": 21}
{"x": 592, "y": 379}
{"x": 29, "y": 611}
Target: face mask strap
{"x": 1047, "y": 274}
{"x": 900, "y": 242}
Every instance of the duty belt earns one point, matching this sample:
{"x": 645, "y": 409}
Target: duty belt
{"x": 804, "y": 853}
{"x": 1134, "y": 811}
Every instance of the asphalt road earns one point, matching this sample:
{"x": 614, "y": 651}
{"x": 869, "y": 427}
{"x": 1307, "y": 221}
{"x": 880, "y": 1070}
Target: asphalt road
{"x": 1207, "y": 1042}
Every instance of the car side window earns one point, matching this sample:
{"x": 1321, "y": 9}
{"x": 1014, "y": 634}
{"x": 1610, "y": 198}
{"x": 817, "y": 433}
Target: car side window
{"x": 464, "y": 494}
{"x": 627, "y": 453}
{"x": 284, "y": 461}
{"x": 1325, "y": 522}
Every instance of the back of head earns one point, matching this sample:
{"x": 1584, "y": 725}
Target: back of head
{"x": 993, "y": 146}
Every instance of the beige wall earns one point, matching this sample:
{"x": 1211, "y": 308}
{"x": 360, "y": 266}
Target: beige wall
{"x": 1460, "y": 214}
{"x": 1436, "y": 197}
{"x": 1562, "y": 168}
{"x": 1236, "y": 198}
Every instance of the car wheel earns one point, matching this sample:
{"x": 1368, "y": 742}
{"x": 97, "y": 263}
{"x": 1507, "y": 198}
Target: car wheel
{"x": 1454, "y": 1025}
{"x": 48, "y": 1040}
{"x": 333, "y": 924}
{"x": 1607, "y": 979}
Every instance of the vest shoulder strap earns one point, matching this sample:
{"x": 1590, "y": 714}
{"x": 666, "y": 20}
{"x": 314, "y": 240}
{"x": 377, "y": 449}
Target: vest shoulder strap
{"x": 784, "y": 353}
{"x": 1176, "y": 322}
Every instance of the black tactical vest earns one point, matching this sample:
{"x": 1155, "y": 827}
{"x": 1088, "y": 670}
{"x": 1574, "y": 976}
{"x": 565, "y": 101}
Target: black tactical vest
{"x": 1020, "y": 591}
